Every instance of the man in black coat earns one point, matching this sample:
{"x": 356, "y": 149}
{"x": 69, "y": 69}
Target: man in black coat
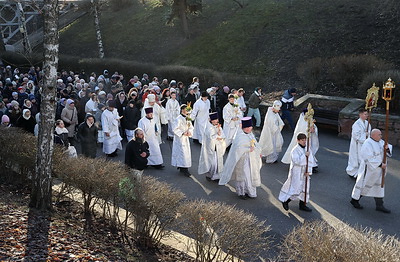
{"x": 137, "y": 151}
{"x": 87, "y": 135}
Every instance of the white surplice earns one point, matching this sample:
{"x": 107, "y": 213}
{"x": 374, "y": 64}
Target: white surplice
{"x": 149, "y": 129}
{"x": 172, "y": 111}
{"x": 243, "y": 166}
{"x": 231, "y": 126}
{"x": 181, "y": 155}
{"x": 158, "y": 116}
{"x": 358, "y": 136}
{"x": 294, "y": 185}
{"x": 301, "y": 127}
{"x": 370, "y": 173}
{"x": 200, "y": 114}
{"x": 110, "y": 124}
{"x": 271, "y": 139}
{"x": 212, "y": 152}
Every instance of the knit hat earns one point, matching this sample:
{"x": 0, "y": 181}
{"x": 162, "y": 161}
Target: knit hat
{"x": 102, "y": 93}
{"x": 14, "y": 103}
{"x": 292, "y": 90}
{"x": 31, "y": 97}
{"x": 226, "y": 89}
{"x": 14, "y": 93}
{"x": 5, "y": 119}
{"x": 151, "y": 97}
{"x": 70, "y": 101}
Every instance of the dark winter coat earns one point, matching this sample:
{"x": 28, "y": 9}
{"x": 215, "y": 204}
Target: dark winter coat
{"x": 27, "y": 125}
{"x": 132, "y": 154}
{"x": 88, "y": 139}
{"x": 132, "y": 117}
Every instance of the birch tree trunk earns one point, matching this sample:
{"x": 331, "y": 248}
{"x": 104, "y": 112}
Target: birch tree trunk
{"x": 95, "y": 5}
{"x": 42, "y": 181}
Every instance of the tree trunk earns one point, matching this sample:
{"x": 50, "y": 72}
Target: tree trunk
{"x": 42, "y": 181}
{"x": 95, "y": 4}
{"x": 182, "y": 14}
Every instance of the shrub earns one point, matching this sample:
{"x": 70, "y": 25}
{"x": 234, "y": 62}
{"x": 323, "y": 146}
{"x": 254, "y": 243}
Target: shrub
{"x": 318, "y": 241}
{"x": 223, "y": 232}
{"x": 153, "y": 206}
{"x": 311, "y": 72}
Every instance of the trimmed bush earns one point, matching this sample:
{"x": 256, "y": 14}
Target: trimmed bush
{"x": 311, "y": 72}
{"x": 223, "y": 232}
{"x": 318, "y": 241}
{"x": 154, "y": 206}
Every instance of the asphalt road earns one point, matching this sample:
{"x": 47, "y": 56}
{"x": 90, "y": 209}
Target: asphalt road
{"x": 330, "y": 191}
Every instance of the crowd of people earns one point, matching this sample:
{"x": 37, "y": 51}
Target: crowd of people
{"x": 107, "y": 109}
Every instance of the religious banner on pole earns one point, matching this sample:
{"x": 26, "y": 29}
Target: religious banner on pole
{"x": 309, "y": 118}
{"x": 371, "y": 101}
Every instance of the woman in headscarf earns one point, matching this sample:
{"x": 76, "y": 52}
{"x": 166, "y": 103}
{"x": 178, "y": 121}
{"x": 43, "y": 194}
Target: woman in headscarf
{"x": 26, "y": 121}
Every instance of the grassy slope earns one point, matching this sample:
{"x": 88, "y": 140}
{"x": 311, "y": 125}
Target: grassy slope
{"x": 267, "y": 37}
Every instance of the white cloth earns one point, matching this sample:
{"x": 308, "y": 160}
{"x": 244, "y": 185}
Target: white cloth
{"x": 158, "y": 116}
{"x": 181, "y": 155}
{"x": 301, "y": 127}
{"x": 149, "y": 129}
{"x": 172, "y": 111}
{"x": 370, "y": 174}
{"x": 212, "y": 152}
{"x": 91, "y": 107}
{"x": 231, "y": 126}
{"x": 294, "y": 185}
{"x": 242, "y": 104}
{"x": 271, "y": 139}
{"x": 235, "y": 167}
{"x": 110, "y": 123}
{"x": 200, "y": 115}
{"x": 358, "y": 136}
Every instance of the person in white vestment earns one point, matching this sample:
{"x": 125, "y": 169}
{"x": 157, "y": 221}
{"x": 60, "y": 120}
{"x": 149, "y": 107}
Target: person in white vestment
{"x": 158, "y": 113}
{"x": 240, "y": 100}
{"x": 271, "y": 139}
{"x": 294, "y": 186}
{"x": 243, "y": 163}
{"x": 173, "y": 110}
{"x": 301, "y": 127}
{"x": 181, "y": 156}
{"x": 231, "y": 114}
{"x": 199, "y": 114}
{"x": 110, "y": 123}
{"x": 212, "y": 151}
{"x": 151, "y": 132}
{"x": 370, "y": 172}
{"x": 360, "y": 131}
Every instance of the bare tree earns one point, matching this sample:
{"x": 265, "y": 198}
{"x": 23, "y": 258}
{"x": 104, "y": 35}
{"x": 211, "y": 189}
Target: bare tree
{"x": 95, "y": 5}
{"x": 181, "y": 8}
{"x": 42, "y": 180}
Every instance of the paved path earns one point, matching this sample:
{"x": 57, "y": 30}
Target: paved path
{"x": 330, "y": 189}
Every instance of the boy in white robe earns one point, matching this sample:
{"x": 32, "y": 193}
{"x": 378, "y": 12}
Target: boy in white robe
{"x": 301, "y": 127}
{"x": 110, "y": 124}
{"x": 151, "y": 133}
{"x": 181, "y": 156}
{"x": 199, "y": 114}
{"x": 231, "y": 114}
{"x": 243, "y": 163}
{"x": 173, "y": 110}
{"x": 370, "y": 172}
{"x": 360, "y": 131}
{"x": 294, "y": 186}
{"x": 271, "y": 139}
{"x": 213, "y": 148}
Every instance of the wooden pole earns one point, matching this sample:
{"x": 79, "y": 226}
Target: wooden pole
{"x": 305, "y": 174}
{"x": 369, "y": 123}
{"x": 386, "y": 142}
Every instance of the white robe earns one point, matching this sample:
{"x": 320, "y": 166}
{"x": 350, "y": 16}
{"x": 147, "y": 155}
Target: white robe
{"x": 110, "y": 123}
{"x": 370, "y": 174}
{"x": 158, "y": 116}
{"x": 200, "y": 114}
{"x": 231, "y": 127}
{"x": 301, "y": 127}
{"x": 271, "y": 139}
{"x": 358, "y": 136}
{"x": 212, "y": 152}
{"x": 294, "y": 185}
{"x": 243, "y": 166}
{"x": 242, "y": 104}
{"x": 172, "y": 111}
{"x": 91, "y": 106}
{"x": 181, "y": 155}
{"x": 149, "y": 129}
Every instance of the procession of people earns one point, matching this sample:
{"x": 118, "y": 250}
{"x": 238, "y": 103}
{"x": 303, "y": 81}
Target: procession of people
{"x": 110, "y": 111}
